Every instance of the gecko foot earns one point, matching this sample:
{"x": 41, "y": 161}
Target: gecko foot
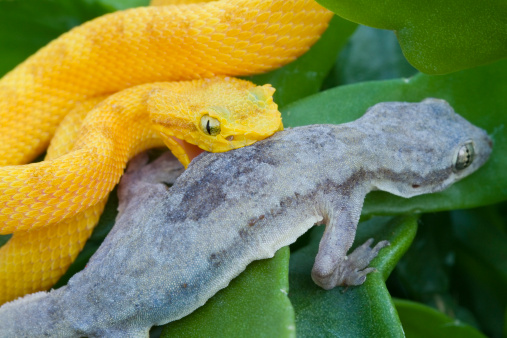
{"x": 351, "y": 269}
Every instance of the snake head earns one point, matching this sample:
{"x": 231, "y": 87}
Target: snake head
{"x": 244, "y": 116}
{"x": 217, "y": 114}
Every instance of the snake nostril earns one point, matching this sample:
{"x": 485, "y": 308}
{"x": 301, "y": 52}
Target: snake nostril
{"x": 230, "y": 138}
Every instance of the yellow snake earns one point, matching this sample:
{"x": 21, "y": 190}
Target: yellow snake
{"x": 52, "y": 206}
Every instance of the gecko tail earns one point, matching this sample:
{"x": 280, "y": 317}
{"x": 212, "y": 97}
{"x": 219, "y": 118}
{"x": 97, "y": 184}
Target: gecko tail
{"x": 33, "y": 315}
{"x": 41, "y": 314}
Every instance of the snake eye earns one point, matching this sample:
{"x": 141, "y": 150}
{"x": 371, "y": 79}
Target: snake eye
{"x": 465, "y": 156}
{"x": 210, "y": 125}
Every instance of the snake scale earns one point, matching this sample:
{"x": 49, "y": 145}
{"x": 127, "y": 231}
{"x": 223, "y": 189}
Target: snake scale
{"x": 65, "y": 94}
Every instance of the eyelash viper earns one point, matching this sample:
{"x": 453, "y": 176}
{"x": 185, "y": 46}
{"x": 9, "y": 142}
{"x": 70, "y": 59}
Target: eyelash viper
{"x": 106, "y": 55}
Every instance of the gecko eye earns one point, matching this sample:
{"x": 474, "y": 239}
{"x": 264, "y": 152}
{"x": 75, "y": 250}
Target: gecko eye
{"x": 465, "y": 156}
{"x": 210, "y": 125}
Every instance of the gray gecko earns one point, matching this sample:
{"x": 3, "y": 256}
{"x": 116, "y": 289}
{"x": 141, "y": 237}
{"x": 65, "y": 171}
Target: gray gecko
{"x": 172, "y": 249}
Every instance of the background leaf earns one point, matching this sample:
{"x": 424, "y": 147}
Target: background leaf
{"x": 480, "y": 273}
{"x": 424, "y": 273}
{"x": 370, "y": 54}
{"x": 422, "y": 321}
{"x": 437, "y": 37}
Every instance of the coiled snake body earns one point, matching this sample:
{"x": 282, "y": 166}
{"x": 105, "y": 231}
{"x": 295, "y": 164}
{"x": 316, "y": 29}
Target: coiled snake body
{"x": 52, "y": 206}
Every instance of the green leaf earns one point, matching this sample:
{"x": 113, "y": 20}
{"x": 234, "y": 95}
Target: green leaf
{"x": 478, "y": 289}
{"x": 115, "y": 5}
{"x": 364, "y": 311}
{"x": 4, "y": 239}
{"x": 505, "y": 324}
{"x": 424, "y": 269}
{"x": 481, "y": 269}
{"x": 477, "y": 94}
{"x": 255, "y": 304}
{"x": 487, "y": 246}
{"x": 437, "y": 37}
{"x": 304, "y": 76}
{"x": 355, "y": 62}
{"x": 423, "y": 321}
{"x": 423, "y": 274}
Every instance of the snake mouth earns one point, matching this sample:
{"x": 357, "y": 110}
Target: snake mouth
{"x": 191, "y": 150}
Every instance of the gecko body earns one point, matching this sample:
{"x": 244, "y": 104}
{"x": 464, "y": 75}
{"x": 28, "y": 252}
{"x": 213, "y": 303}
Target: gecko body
{"x": 172, "y": 249}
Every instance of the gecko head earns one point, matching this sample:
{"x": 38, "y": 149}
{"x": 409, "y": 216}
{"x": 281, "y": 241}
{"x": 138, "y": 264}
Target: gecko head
{"x": 437, "y": 147}
{"x": 216, "y": 114}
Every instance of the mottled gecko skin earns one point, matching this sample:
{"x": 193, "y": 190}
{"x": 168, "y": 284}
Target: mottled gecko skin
{"x": 172, "y": 249}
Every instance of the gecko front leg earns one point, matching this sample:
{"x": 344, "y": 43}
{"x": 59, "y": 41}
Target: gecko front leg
{"x": 332, "y": 265}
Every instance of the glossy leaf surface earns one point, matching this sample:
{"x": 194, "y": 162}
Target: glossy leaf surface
{"x": 437, "y": 37}
{"x": 422, "y": 321}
